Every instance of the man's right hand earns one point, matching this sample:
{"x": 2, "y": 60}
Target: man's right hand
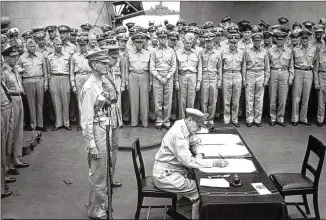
{"x": 220, "y": 163}
{"x": 93, "y": 152}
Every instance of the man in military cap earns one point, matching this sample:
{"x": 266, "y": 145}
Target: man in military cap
{"x": 309, "y": 25}
{"x": 318, "y": 42}
{"x": 264, "y": 25}
{"x": 27, "y": 35}
{"x": 295, "y": 38}
{"x": 20, "y": 47}
{"x": 304, "y": 57}
{"x": 180, "y": 23}
{"x": 58, "y": 64}
{"x": 52, "y": 31}
{"x": 152, "y": 31}
{"x": 162, "y": 68}
{"x": 170, "y": 27}
{"x": 232, "y": 73}
{"x": 100, "y": 40}
{"x": 92, "y": 43}
{"x": 130, "y": 25}
{"x": 79, "y": 69}
{"x": 13, "y": 34}
{"x": 73, "y": 36}
{"x": 179, "y": 152}
{"x": 86, "y": 27}
{"x": 139, "y": 81}
{"x": 320, "y": 83}
{"x": 67, "y": 47}
{"x": 256, "y": 29}
{"x": 192, "y": 24}
{"x": 296, "y": 25}
{"x": 208, "y": 25}
{"x": 151, "y": 23}
{"x": 35, "y": 82}
{"x": 245, "y": 43}
{"x": 41, "y": 44}
{"x": 268, "y": 42}
{"x": 282, "y": 74}
{"x": 211, "y": 82}
{"x": 125, "y": 98}
{"x": 283, "y": 20}
{"x": 256, "y": 77}
{"x": 91, "y": 102}
{"x": 275, "y": 28}
{"x": 226, "y": 21}
{"x": 132, "y": 31}
{"x": 120, "y": 29}
{"x": 11, "y": 79}
{"x": 189, "y": 75}
{"x": 106, "y": 28}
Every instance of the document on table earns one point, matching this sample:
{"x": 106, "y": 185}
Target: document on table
{"x": 220, "y": 183}
{"x": 235, "y": 166}
{"x": 203, "y": 131}
{"x": 261, "y": 189}
{"x": 225, "y": 150}
{"x": 209, "y": 139}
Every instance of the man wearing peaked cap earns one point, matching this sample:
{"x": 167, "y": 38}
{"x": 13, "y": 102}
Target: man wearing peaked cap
{"x": 296, "y": 25}
{"x": 38, "y": 29}
{"x": 256, "y": 29}
{"x": 121, "y": 29}
{"x": 232, "y": 78}
{"x": 319, "y": 31}
{"x": 194, "y": 24}
{"x": 280, "y": 79}
{"x": 211, "y": 82}
{"x": 14, "y": 84}
{"x": 309, "y": 25}
{"x": 35, "y": 82}
{"x": 86, "y": 27}
{"x": 181, "y": 23}
{"x": 130, "y": 25}
{"x": 268, "y": 39}
{"x": 51, "y": 29}
{"x": 41, "y": 44}
{"x": 283, "y": 20}
{"x": 92, "y": 100}
{"x": 295, "y": 38}
{"x": 27, "y": 34}
{"x": 246, "y": 42}
{"x": 232, "y": 29}
{"x": 264, "y": 25}
{"x": 73, "y": 36}
{"x": 218, "y": 32}
{"x": 256, "y": 77}
{"x": 106, "y": 28}
{"x": 100, "y": 40}
{"x": 173, "y": 38}
{"x": 179, "y": 155}
{"x": 226, "y": 21}
{"x": 304, "y": 59}
{"x": 151, "y": 23}
{"x": 162, "y": 68}
{"x": 67, "y": 47}
{"x": 208, "y": 25}
{"x": 92, "y": 40}
{"x": 139, "y": 81}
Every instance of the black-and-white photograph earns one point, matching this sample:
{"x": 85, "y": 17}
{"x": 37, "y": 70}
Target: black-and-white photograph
{"x": 176, "y": 110}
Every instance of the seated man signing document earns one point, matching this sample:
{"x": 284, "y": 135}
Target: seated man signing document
{"x": 178, "y": 153}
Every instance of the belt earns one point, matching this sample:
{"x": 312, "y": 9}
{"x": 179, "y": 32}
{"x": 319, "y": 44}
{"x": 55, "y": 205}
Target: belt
{"x": 145, "y": 71}
{"x": 256, "y": 70}
{"x": 210, "y": 72}
{"x": 279, "y": 69}
{"x": 324, "y": 71}
{"x": 231, "y": 71}
{"x": 181, "y": 72}
{"x": 303, "y": 68}
{"x": 33, "y": 77}
{"x": 59, "y": 74}
{"x": 15, "y": 93}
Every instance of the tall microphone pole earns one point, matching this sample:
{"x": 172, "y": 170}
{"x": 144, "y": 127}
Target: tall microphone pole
{"x": 109, "y": 165}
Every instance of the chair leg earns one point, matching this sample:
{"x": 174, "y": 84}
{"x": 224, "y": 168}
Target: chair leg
{"x": 315, "y": 200}
{"x": 139, "y": 205}
{"x": 306, "y": 205}
{"x": 174, "y": 208}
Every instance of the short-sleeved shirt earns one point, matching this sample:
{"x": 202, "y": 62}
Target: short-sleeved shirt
{"x": 59, "y": 63}
{"x": 138, "y": 61}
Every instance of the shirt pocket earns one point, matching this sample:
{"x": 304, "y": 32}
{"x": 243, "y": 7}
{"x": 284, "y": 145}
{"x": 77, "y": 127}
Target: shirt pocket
{"x": 286, "y": 59}
{"x": 183, "y": 62}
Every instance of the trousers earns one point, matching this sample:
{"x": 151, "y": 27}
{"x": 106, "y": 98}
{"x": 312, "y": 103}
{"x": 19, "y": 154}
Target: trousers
{"x": 187, "y": 92}
{"x": 321, "y": 97}
{"x": 7, "y": 132}
{"x": 18, "y": 139}
{"x": 209, "y": 94}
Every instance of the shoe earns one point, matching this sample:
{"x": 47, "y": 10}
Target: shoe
{"x": 67, "y": 128}
{"x": 177, "y": 215}
{"x": 308, "y": 123}
{"x": 79, "y": 128}
{"x": 152, "y": 120}
{"x": 249, "y": 124}
{"x": 6, "y": 194}
{"x": 23, "y": 165}
{"x": 271, "y": 123}
{"x": 320, "y": 124}
{"x": 236, "y": 124}
{"x": 258, "y": 124}
{"x": 126, "y": 122}
{"x": 294, "y": 123}
{"x": 167, "y": 127}
{"x": 159, "y": 127}
{"x": 55, "y": 128}
{"x": 144, "y": 126}
{"x": 13, "y": 172}
{"x": 116, "y": 184}
{"x": 282, "y": 124}
{"x": 41, "y": 129}
{"x": 28, "y": 128}
{"x": 10, "y": 180}
{"x": 6, "y": 187}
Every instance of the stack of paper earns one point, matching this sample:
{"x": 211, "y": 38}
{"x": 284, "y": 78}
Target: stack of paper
{"x": 235, "y": 166}
{"x": 225, "y": 150}
{"x": 261, "y": 189}
{"x": 208, "y": 139}
{"x": 221, "y": 183}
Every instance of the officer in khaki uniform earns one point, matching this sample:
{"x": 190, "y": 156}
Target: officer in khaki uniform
{"x": 232, "y": 74}
{"x": 67, "y": 47}
{"x": 52, "y": 31}
{"x": 162, "y": 68}
{"x": 73, "y": 36}
{"x": 35, "y": 82}
{"x": 139, "y": 81}
{"x": 189, "y": 75}
{"x": 282, "y": 73}
{"x": 86, "y": 27}
{"x": 41, "y": 44}
{"x": 58, "y": 65}
{"x": 79, "y": 69}
{"x": 256, "y": 77}
{"x": 12, "y": 81}
{"x": 304, "y": 57}
{"x": 211, "y": 82}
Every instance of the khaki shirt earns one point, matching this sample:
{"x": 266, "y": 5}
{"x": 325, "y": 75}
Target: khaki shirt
{"x": 189, "y": 61}
{"x": 138, "y": 61}
{"x": 281, "y": 59}
{"x": 242, "y": 45}
{"x": 119, "y": 69}
{"x": 257, "y": 60}
{"x": 11, "y": 79}
{"x": 125, "y": 60}
{"x": 46, "y": 51}
{"x": 59, "y": 64}
{"x": 5, "y": 99}
{"x": 78, "y": 65}
{"x": 163, "y": 62}
{"x": 304, "y": 57}
{"x": 69, "y": 48}
{"x": 178, "y": 146}
{"x": 34, "y": 65}
{"x": 320, "y": 64}
{"x": 211, "y": 62}
{"x": 233, "y": 60}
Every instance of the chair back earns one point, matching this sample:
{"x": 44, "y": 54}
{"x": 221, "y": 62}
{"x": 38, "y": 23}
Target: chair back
{"x": 138, "y": 163}
{"x": 317, "y": 147}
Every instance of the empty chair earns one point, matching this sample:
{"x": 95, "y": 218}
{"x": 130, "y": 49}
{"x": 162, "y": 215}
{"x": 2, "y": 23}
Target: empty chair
{"x": 145, "y": 184}
{"x": 289, "y": 184}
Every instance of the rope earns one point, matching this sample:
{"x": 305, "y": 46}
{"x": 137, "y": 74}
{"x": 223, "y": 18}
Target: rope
{"x": 99, "y": 13}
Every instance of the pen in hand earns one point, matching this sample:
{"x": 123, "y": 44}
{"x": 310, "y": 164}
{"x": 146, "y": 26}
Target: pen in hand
{"x": 225, "y": 161}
